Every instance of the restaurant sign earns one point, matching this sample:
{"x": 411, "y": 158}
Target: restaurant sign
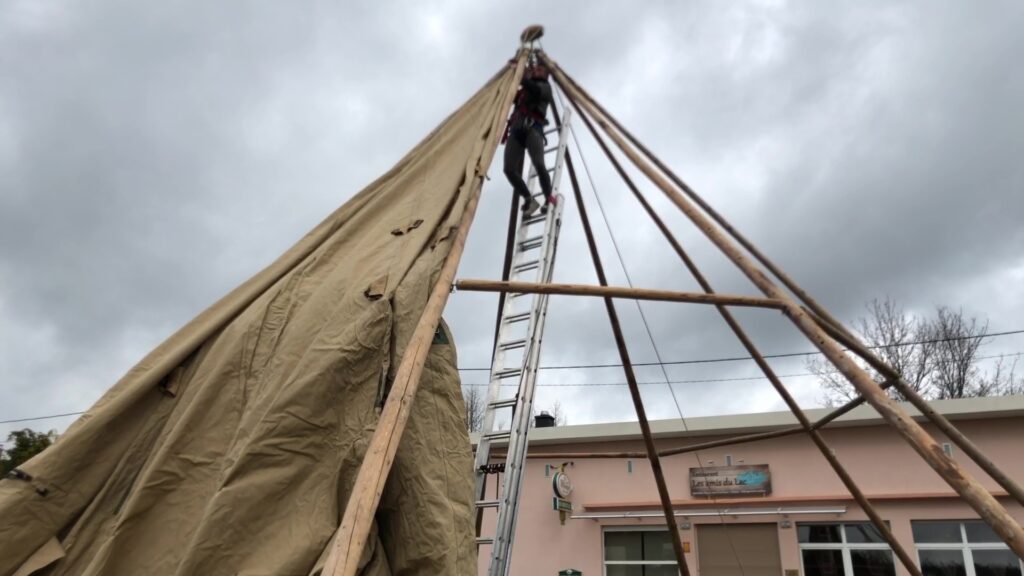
{"x": 716, "y": 480}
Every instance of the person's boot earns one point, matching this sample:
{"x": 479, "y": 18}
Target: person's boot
{"x": 549, "y": 201}
{"x": 530, "y": 207}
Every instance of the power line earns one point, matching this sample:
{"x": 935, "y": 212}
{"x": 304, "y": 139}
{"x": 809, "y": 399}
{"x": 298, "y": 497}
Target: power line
{"x": 639, "y": 307}
{"x": 656, "y": 382}
{"x": 716, "y": 380}
{"x": 746, "y": 358}
{"x": 41, "y": 417}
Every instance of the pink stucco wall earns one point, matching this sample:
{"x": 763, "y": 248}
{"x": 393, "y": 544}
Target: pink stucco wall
{"x": 880, "y": 462}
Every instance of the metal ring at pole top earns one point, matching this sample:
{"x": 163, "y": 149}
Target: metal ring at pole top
{"x": 531, "y": 34}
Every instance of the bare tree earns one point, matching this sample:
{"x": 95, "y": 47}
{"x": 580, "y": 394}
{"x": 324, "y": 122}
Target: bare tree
{"x": 474, "y": 399}
{"x": 937, "y": 357}
{"x": 901, "y": 341}
{"x": 1003, "y": 379}
{"x": 898, "y": 338}
{"x": 956, "y": 340}
{"x": 558, "y": 413}
{"x": 555, "y": 412}
{"x": 835, "y": 388}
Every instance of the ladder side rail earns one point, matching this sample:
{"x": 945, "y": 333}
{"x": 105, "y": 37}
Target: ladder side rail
{"x": 521, "y": 449}
{"x": 483, "y": 450}
{"x": 508, "y": 508}
{"x": 483, "y": 446}
{"x": 520, "y": 417}
{"x": 514, "y": 480}
{"x": 515, "y": 455}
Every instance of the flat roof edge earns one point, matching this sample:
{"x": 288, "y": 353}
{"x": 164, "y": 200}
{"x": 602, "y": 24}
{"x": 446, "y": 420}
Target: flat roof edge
{"x": 983, "y": 408}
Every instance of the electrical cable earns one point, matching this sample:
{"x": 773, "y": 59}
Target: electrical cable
{"x": 650, "y": 335}
{"x": 740, "y": 378}
{"x": 766, "y": 356}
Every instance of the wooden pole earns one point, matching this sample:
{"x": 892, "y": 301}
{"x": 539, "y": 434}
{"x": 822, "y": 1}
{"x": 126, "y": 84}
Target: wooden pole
{"x": 1012, "y": 487}
{"x": 748, "y": 344}
{"x": 351, "y": 537}
{"x": 955, "y": 475}
{"x": 634, "y": 389}
{"x": 732, "y": 440}
{"x": 615, "y": 292}
{"x": 944, "y": 425}
{"x": 674, "y": 451}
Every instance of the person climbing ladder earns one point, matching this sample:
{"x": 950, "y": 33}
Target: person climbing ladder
{"x": 525, "y": 133}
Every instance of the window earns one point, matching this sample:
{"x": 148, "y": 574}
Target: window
{"x": 853, "y": 549}
{"x": 968, "y": 548}
{"x": 639, "y": 553}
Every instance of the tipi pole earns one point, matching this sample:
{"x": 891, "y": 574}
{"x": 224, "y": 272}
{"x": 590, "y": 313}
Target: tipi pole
{"x": 351, "y": 537}
{"x": 945, "y": 426}
{"x": 634, "y": 389}
{"x": 958, "y": 438}
{"x": 731, "y": 441}
{"x": 955, "y": 475}
{"x": 751, "y": 349}
{"x": 615, "y": 292}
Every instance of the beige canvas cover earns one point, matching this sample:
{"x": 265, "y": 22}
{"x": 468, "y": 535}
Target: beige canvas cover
{"x": 233, "y": 446}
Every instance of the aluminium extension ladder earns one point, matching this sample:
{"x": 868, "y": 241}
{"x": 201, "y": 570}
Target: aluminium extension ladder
{"x": 516, "y": 355}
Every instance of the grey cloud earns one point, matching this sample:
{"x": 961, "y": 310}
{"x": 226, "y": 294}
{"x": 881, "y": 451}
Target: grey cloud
{"x": 152, "y": 157}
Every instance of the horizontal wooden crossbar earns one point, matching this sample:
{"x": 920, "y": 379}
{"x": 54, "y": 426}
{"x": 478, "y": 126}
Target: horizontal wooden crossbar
{"x": 740, "y": 439}
{"x": 616, "y": 292}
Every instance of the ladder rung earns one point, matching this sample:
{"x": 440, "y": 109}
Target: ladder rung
{"x": 538, "y": 217}
{"x": 534, "y": 250}
{"x": 531, "y": 243}
{"x": 496, "y": 468}
{"x": 527, "y": 266}
{"x": 511, "y": 319}
{"x": 498, "y": 434}
{"x": 513, "y": 344}
{"x": 508, "y": 372}
{"x": 506, "y": 403}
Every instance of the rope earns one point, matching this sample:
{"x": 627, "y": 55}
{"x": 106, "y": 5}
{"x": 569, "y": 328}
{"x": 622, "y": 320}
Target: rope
{"x": 650, "y": 335}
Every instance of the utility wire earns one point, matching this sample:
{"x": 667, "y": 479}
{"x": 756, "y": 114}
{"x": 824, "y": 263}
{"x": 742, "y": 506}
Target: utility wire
{"x": 746, "y": 358}
{"x": 584, "y": 384}
{"x": 647, "y": 328}
{"x": 737, "y": 379}
{"x": 41, "y": 417}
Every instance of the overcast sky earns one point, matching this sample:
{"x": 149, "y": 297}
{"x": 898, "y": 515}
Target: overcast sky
{"x": 155, "y": 155}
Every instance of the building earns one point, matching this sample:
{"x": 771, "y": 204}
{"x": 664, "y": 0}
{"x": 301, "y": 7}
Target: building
{"x": 794, "y": 516}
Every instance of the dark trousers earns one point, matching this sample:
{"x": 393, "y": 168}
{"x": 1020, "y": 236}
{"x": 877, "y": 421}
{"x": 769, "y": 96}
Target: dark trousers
{"x": 519, "y": 142}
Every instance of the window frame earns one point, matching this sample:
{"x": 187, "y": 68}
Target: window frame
{"x": 605, "y": 563}
{"x": 964, "y": 546}
{"x": 843, "y": 546}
